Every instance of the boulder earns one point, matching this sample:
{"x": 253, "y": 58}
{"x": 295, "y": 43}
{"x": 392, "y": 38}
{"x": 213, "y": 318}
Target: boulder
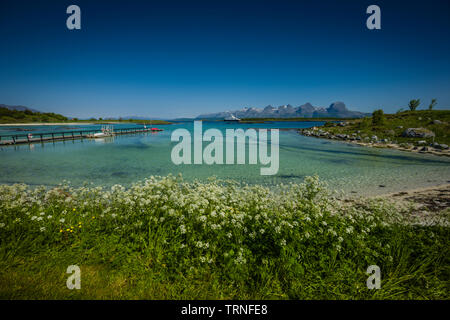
{"x": 441, "y": 146}
{"x": 437, "y": 122}
{"x": 418, "y": 133}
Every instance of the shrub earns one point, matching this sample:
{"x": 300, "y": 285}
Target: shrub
{"x": 364, "y": 123}
{"x": 378, "y": 118}
{"x": 432, "y": 104}
{"x": 413, "y": 104}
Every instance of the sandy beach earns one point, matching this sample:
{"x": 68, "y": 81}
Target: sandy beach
{"x": 428, "y": 205}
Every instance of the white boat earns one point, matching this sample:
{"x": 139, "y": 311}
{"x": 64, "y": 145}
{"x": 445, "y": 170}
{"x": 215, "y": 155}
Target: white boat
{"x": 232, "y": 118}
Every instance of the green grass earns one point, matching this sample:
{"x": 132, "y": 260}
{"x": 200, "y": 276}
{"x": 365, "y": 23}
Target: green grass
{"x": 407, "y": 119}
{"x": 168, "y": 239}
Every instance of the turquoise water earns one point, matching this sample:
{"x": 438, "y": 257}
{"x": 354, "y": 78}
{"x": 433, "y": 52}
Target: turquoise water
{"x": 126, "y": 159}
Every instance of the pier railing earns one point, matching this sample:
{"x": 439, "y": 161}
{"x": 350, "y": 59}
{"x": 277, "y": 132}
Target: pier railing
{"x": 62, "y": 135}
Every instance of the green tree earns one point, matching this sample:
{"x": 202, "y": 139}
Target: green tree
{"x": 413, "y": 104}
{"x": 432, "y": 104}
{"x": 378, "y": 117}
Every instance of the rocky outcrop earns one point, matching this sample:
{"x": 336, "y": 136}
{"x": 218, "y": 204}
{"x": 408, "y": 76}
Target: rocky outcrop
{"x": 418, "y": 133}
{"x": 374, "y": 141}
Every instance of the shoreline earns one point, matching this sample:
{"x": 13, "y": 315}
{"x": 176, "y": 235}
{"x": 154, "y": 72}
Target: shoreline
{"x": 320, "y": 134}
{"x": 402, "y": 194}
{"x": 428, "y": 204}
{"x": 398, "y": 194}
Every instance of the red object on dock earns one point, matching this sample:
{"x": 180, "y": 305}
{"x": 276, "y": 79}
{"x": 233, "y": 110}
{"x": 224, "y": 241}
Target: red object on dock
{"x": 156, "y": 129}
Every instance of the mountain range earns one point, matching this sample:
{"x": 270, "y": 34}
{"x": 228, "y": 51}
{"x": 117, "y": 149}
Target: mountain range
{"x": 335, "y": 110}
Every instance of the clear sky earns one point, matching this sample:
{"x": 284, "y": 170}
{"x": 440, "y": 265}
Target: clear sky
{"x": 182, "y": 58}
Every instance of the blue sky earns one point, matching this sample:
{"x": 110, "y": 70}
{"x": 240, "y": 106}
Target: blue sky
{"x": 182, "y": 58}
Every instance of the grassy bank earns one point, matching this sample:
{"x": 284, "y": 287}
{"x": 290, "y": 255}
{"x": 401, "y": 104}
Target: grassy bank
{"x": 28, "y": 116}
{"x": 392, "y": 126}
{"x": 168, "y": 239}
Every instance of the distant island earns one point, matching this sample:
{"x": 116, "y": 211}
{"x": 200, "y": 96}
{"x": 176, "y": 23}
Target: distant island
{"x": 335, "y": 110}
{"x": 25, "y": 115}
{"x": 22, "y": 114}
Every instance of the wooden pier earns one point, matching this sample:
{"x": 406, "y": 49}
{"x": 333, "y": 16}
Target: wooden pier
{"x": 66, "y": 135}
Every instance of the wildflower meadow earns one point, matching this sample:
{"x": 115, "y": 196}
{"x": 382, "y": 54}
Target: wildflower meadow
{"x": 165, "y": 238}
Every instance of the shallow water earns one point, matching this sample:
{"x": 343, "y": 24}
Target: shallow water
{"x": 125, "y": 159}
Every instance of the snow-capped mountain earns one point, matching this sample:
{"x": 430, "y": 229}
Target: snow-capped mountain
{"x": 335, "y": 110}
